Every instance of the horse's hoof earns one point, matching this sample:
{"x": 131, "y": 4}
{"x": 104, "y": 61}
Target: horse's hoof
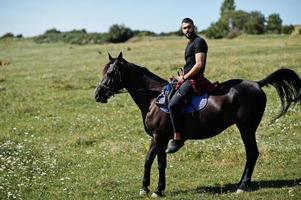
{"x": 156, "y": 195}
{"x": 239, "y": 191}
{"x": 143, "y": 192}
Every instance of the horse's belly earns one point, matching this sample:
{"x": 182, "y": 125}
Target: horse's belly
{"x": 196, "y": 129}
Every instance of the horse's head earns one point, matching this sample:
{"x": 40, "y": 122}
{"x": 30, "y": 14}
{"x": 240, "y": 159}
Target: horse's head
{"x": 111, "y": 82}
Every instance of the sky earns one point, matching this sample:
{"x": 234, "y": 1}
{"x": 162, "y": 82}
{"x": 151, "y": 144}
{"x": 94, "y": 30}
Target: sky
{"x": 34, "y": 17}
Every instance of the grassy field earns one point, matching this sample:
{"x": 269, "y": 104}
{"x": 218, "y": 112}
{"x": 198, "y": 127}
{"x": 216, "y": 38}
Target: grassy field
{"x": 56, "y": 142}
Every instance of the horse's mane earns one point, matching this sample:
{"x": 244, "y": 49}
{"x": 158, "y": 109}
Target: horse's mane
{"x": 146, "y": 72}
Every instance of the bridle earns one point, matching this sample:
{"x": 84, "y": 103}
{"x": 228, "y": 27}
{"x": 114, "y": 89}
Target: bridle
{"x": 115, "y": 80}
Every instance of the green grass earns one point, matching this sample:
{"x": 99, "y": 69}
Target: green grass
{"x": 56, "y": 142}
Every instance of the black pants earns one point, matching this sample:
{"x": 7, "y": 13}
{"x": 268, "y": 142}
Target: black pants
{"x": 176, "y": 103}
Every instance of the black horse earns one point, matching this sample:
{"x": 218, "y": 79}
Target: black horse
{"x": 239, "y": 102}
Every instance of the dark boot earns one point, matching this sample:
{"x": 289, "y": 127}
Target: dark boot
{"x": 174, "y": 146}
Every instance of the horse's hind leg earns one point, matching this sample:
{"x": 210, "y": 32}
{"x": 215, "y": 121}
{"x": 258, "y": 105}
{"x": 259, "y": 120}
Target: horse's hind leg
{"x": 247, "y": 125}
{"x": 252, "y": 154}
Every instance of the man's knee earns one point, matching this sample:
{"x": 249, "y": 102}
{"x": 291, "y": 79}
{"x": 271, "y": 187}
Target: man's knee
{"x": 174, "y": 103}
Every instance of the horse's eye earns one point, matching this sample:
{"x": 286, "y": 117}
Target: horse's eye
{"x": 110, "y": 70}
{"x": 110, "y": 73}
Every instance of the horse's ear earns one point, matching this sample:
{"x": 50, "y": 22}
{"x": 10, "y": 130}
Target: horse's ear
{"x": 110, "y": 57}
{"x": 120, "y": 56}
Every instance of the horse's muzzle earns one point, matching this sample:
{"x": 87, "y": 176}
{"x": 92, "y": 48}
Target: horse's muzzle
{"x": 100, "y": 98}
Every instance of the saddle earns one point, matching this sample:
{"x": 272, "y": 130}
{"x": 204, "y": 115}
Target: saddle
{"x": 195, "y": 103}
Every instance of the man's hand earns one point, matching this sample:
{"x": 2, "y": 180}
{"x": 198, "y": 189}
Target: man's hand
{"x": 180, "y": 78}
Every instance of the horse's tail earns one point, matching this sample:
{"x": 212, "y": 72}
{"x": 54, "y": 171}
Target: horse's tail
{"x": 288, "y": 86}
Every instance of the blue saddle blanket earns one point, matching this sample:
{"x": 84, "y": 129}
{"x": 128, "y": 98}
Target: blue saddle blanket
{"x": 194, "y": 104}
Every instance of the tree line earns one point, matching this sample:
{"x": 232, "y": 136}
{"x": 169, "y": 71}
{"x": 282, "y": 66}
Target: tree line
{"x": 116, "y": 34}
{"x": 230, "y": 24}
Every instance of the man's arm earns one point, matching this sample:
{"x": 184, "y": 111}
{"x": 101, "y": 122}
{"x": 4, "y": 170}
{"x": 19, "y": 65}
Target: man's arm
{"x": 198, "y": 66}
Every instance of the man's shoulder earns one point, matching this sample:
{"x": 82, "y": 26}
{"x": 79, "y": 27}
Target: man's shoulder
{"x": 200, "y": 39}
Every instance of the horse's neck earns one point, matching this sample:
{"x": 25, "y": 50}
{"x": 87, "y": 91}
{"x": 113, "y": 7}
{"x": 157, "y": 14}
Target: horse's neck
{"x": 143, "y": 100}
{"x": 144, "y": 88}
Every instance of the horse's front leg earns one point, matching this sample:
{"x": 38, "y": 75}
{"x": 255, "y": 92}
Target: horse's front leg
{"x": 151, "y": 154}
{"x": 161, "y": 156}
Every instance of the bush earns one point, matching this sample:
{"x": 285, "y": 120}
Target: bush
{"x": 52, "y": 31}
{"x": 288, "y": 29}
{"x": 19, "y": 36}
{"x": 143, "y": 33}
{"x": 235, "y": 32}
{"x": 81, "y": 31}
{"x": 7, "y": 35}
{"x": 175, "y": 33}
{"x": 97, "y": 38}
{"x": 72, "y": 37}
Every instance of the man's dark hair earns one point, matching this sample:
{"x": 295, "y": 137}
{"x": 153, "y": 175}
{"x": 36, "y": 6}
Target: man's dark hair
{"x": 187, "y": 20}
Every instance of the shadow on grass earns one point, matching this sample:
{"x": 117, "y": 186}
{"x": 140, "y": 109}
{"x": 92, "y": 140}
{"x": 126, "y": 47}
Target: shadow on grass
{"x": 255, "y": 185}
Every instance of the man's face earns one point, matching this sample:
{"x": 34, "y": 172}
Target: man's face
{"x": 187, "y": 29}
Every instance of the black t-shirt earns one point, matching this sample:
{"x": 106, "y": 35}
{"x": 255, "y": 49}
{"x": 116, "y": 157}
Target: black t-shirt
{"x": 197, "y": 45}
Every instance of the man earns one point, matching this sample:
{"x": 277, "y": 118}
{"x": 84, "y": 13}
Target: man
{"x": 189, "y": 81}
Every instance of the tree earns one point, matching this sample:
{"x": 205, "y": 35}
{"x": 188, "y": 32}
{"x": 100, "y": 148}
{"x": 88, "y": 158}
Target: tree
{"x": 239, "y": 19}
{"x": 232, "y": 23}
{"x": 119, "y": 33}
{"x": 218, "y": 30}
{"x": 274, "y": 23}
{"x": 227, "y": 7}
{"x": 222, "y": 27}
{"x": 255, "y": 24}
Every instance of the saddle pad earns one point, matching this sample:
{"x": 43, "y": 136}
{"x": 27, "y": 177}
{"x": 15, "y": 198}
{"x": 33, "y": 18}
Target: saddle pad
{"x": 195, "y": 104}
